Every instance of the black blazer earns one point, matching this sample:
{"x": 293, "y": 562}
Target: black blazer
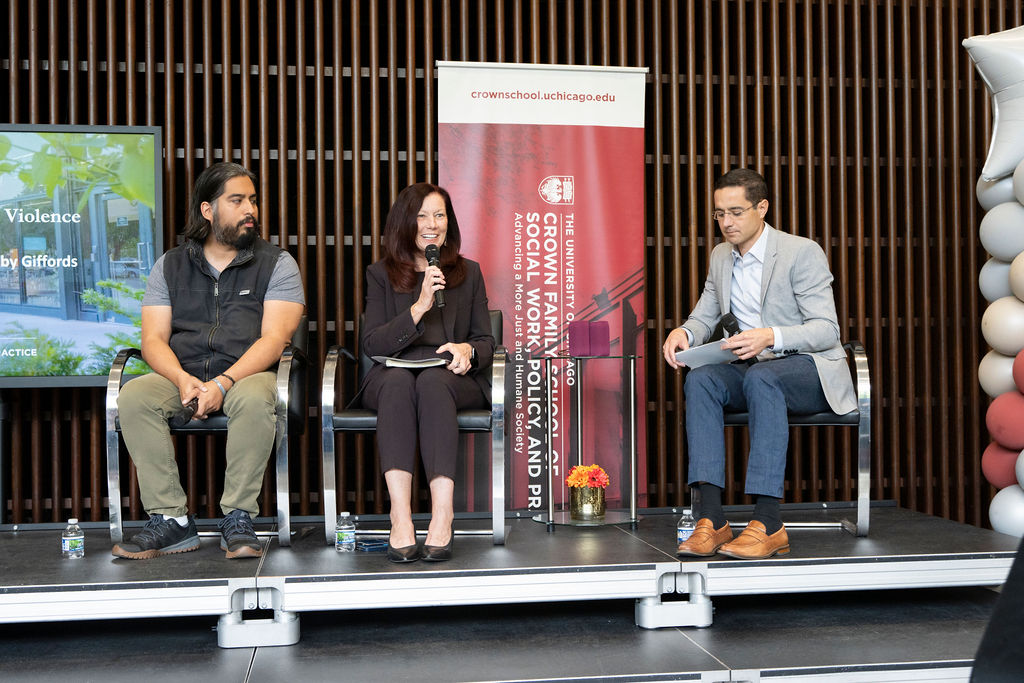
{"x": 388, "y": 327}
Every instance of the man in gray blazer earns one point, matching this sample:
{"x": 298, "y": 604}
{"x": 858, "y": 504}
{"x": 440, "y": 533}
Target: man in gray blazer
{"x": 778, "y": 287}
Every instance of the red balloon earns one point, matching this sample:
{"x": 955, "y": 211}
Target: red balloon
{"x": 998, "y": 464}
{"x": 1018, "y": 371}
{"x": 1005, "y": 420}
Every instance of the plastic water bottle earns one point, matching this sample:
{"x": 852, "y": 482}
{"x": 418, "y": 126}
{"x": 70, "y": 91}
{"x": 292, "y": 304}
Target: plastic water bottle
{"x": 72, "y": 541}
{"x": 345, "y": 534}
{"x": 685, "y": 527}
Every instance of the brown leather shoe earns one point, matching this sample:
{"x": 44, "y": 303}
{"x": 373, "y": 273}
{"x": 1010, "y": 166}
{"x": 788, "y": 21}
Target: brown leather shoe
{"x": 754, "y": 543}
{"x": 705, "y": 539}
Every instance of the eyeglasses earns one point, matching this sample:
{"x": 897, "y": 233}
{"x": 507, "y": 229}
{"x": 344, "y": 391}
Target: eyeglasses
{"x": 719, "y": 214}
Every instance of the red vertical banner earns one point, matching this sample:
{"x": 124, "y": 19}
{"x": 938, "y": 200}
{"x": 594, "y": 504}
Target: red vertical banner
{"x": 545, "y": 166}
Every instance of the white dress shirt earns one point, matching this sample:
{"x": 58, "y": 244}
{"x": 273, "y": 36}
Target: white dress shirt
{"x": 745, "y": 292}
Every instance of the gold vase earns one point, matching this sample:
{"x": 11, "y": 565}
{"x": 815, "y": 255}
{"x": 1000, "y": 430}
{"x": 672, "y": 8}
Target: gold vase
{"x": 586, "y": 504}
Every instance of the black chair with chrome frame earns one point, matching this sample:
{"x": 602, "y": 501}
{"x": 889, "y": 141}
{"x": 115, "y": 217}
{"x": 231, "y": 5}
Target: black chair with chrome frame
{"x": 476, "y": 421}
{"x": 859, "y": 418}
{"x": 291, "y": 413}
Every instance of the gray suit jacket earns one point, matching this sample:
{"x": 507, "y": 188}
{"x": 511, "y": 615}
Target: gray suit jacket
{"x": 796, "y": 296}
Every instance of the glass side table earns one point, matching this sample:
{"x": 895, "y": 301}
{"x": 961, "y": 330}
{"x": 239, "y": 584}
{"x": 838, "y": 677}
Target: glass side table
{"x": 551, "y": 517}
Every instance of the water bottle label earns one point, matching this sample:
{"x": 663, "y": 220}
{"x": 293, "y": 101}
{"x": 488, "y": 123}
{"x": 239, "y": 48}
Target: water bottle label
{"x": 683, "y": 535}
{"x": 72, "y": 545}
{"x": 345, "y": 537}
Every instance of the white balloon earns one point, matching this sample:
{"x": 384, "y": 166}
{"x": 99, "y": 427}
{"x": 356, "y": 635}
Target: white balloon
{"x": 1002, "y": 231}
{"x": 1017, "y": 277}
{"x": 999, "y": 58}
{"x": 1019, "y": 468}
{"x": 1002, "y": 325}
{"x": 995, "y": 374}
{"x": 993, "y": 192}
{"x": 994, "y": 280}
{"x": 1018, "y": 184}
{"x": 1006, "y": 511}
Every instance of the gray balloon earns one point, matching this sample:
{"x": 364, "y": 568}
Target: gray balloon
{"x": 1002, "y": 231}
{"x": 1019, "y": 468}
{"x": 1006, "y": 511}
{"x": 994, "y": 280}
{"x": 991, "y": 193}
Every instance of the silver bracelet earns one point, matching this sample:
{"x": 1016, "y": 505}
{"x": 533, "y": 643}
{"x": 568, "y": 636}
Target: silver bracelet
{"x": 223, "y": 391}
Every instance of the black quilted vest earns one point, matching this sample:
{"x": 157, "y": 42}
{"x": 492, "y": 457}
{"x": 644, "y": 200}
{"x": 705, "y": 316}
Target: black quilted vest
{"x": 214, "y": 321}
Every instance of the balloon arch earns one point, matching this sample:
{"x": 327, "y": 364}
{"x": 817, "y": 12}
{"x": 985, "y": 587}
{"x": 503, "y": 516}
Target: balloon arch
{"x": 999, "y": 58}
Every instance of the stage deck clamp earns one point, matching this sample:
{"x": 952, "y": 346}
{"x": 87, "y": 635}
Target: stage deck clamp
{"x": 653, "y": 612}
{"x": 233, "y": 630}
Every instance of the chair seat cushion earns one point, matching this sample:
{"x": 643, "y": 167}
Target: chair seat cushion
{"x": 355, "y": 420}
{"x": 218, "y": 422}
{"x": 478, "y": 420}
{"x": 362, "y": 420}
{"x": 214, "y": 423}
{"x": 825, "y": 419}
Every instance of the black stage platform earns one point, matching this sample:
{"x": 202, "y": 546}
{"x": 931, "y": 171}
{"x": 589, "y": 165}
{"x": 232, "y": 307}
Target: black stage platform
{"x": 559, "y": 605}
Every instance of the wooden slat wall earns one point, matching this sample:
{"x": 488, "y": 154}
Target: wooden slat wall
{"x": 866, "y": 117}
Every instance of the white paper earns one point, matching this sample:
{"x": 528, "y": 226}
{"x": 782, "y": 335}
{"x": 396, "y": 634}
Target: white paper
{"x": 407, "y": 363}
{"x": 705, "y": 354}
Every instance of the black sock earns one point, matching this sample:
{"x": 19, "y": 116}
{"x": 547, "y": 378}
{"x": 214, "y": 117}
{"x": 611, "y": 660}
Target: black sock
{"x": 766, "y": 511}
{"x": 711, "y": 504}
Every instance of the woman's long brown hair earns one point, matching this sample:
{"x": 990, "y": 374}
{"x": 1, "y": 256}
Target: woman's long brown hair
{"x": 399, "y": 241}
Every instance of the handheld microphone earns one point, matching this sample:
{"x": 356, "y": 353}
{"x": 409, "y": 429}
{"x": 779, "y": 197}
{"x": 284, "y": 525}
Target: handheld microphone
{"x": 185, "y": 416}
{"x": 732, "y": 327}
{"x": 433, "y": 255}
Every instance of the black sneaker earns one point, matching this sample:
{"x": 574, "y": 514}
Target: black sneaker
{"x": 237, "y": 537}
{"x": 159, "y": 537}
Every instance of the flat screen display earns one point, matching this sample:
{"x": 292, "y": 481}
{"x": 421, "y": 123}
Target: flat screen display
{"x": 81, "y": 222}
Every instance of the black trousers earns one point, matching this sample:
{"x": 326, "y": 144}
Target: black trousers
{"x": 420, "y": 405}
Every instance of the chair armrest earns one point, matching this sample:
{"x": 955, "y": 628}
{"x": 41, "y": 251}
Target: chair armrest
{"x": 291, "y": 387}
{"x": 862, "y": 372}
{"x": 114, "y": 381}
{"x": 115, "y": 378}
{"x": 498, "y": 368}
{"x": 328, "y": 394}
{"x": 328, "y": 385}
{"x": 292, "y": 354}
{"x": 499, "y": 443}
{"x": 499, "y": 364}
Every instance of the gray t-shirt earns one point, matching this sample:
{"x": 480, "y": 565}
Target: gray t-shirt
{"x": 285, "y": 283}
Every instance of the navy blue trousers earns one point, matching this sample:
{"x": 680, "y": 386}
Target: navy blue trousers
{"x": 769, "y": 391}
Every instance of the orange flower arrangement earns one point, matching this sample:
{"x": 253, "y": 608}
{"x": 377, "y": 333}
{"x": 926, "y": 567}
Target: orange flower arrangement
{"x": 587, "y": 476}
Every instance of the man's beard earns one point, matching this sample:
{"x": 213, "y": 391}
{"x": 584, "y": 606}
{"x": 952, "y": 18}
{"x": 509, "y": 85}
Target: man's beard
{"x": 237, "y": 236}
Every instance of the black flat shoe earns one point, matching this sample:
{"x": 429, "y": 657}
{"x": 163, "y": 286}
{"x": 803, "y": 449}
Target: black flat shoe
{"x": 439, "y": 553}
{"x": 409, "y": 553}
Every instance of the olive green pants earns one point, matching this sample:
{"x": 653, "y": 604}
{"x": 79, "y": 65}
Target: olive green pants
{"x": 147, "y": 402}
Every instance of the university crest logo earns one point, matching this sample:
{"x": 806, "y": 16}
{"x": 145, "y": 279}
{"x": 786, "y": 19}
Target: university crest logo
{"x": 557, "y": 189}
